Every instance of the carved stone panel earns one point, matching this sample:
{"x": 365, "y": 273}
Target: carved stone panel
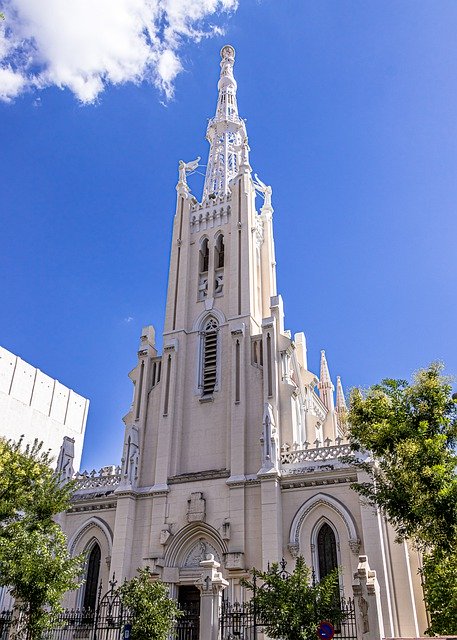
{"x": 199, "y": 552}
{"x": 196, "y": 509}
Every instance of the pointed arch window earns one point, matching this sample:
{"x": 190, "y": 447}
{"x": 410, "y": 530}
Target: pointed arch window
{"x": 219, "y": 259}
{"x": 209, "y": 356}
{"x": 219, "y": 251}
{"x": 204, "y": 256}
{"x": 203, "y": 264}
{"x": 92, "y": 574}
{"x": 326, "y": 550}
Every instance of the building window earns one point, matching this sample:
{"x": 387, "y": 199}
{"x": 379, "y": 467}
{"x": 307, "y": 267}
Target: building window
{"x": 203, "y": 263}
{"x": 326, "y": 550}
{"x": 209, "y": 356}
{"x": 93, "y": 571}
{"x": 204, "y": 256}
{"x": 219, "y": 251}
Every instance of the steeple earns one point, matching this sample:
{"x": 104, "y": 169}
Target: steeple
{"x": 325, "y": 385}
{"x": 226, "y": 133}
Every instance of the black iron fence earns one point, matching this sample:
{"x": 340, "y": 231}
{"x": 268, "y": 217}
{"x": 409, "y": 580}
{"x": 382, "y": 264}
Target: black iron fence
{"x": 187, "y": 627}
{"x": 106, "y": 622}
{"x": 240, "y": 621}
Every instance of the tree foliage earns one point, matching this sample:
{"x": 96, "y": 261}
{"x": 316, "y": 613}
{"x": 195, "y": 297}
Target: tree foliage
{"x": 34, "y": 560}
{"x": 411, "y": 430}
{"x": 290, "y": 606}
{"x": 153, "y": 611}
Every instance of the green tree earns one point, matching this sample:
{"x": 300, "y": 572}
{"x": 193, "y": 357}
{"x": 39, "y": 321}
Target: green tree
{"x": 153, "y": 611}
{"x": 34, "y": 560}
{"x": 411, "y": 431}
{"x": 290, "y": 607}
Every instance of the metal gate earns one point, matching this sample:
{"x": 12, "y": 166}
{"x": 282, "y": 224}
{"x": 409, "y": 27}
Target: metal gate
{"x": 105, "y": 623}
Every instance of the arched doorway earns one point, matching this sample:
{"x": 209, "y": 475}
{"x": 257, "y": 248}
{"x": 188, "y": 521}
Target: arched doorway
{"x": 189, "y": 603}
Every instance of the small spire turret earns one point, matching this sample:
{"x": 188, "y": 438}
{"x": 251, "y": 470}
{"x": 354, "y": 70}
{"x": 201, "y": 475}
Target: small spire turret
{"x": 340, "y": 399}
{"x": 325, "y": 385}
{"x": 226, "y": 133}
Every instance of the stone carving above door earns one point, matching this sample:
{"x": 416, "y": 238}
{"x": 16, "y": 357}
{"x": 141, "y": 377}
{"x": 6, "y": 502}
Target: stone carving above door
{"x": 199, "y": 552}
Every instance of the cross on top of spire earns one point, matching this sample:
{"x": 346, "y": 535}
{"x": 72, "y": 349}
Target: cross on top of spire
{"x": 226, "y": 133}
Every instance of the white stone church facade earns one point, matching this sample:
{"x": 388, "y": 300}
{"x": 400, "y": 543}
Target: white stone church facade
{"x": 232, "y": 445}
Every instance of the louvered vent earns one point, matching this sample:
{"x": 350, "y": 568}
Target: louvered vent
{"x": 209, "y": 357}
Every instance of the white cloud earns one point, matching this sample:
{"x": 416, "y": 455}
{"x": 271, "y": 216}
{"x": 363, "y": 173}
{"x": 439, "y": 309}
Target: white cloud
{"x": 128, "y": 319}
{"x": 11, "y": 83}
{"x": 83, "y": 45}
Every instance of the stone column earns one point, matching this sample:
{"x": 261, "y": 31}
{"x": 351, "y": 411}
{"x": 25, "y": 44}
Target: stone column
{"x": 211, "y": 585}
{"x": 367, "y": 602}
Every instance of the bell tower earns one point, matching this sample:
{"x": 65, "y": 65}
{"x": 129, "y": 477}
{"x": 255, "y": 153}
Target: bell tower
{"x": 231, "y": 388}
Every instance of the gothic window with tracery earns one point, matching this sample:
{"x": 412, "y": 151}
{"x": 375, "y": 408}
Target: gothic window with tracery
{"x": 209, "y": 356}
{"x": 92, "y": 574}
{"x": 326, "y": 550}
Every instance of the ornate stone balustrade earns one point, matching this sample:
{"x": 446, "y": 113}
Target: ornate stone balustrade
{"x": 316, "y": 454}
{"x": 106, "y": 477}
{"x": 233, "y": 117}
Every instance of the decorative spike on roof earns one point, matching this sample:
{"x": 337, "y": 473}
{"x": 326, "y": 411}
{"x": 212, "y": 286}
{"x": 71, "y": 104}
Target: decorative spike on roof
{"x": 340, "y": 399}
{"x": 325, "y": 374}
{"x": 325, "y": 384}
{"x": 226, "y": 133}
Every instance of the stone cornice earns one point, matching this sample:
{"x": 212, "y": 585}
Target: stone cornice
{"x": 199, "y": 476}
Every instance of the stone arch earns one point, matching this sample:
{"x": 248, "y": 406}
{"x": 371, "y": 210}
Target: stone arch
{"x": 92, "y": 531}
{"x": 101, "y": 533}
{"x": 204, "y": 315}
{"x": 322, "y": 499}
{"x": 192, "y": 541}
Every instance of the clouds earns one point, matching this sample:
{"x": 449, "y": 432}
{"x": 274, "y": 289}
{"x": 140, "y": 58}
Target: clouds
{"x": 84, "y": 45}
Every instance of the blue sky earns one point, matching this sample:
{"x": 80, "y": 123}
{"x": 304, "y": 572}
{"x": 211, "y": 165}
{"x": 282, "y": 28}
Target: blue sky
{"x": 351, "y": 115}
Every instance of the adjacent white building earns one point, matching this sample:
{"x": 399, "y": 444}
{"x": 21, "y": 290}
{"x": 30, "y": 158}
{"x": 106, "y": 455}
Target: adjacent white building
{"x": 232, "y": 445}
{"x": 35, "y": 406}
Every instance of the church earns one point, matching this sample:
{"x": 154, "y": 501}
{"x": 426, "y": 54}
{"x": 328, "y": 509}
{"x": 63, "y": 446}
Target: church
{"x": 232, "y": 450}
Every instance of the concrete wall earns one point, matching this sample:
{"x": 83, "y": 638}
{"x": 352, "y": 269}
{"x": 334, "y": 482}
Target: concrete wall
{"x": 36, "y": 406}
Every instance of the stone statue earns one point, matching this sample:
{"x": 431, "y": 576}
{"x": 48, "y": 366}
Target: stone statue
{"x": 243, "y": 149}
{"x": 264, "y": 189}
{"x": 187, "y": 167}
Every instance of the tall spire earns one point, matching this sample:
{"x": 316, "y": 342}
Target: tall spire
{"x": 325, "y": 384}
{"x": 226, "y": 133}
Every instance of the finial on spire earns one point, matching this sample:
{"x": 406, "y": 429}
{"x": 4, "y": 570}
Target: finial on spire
{"x": 228, "y": 53}
{"x": 226, "y": 133}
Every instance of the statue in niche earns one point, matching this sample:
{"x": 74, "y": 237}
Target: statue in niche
{"x": 269, "y": 440}
{"x": 130, "y": 456}
{"x": 243, "y": 149}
